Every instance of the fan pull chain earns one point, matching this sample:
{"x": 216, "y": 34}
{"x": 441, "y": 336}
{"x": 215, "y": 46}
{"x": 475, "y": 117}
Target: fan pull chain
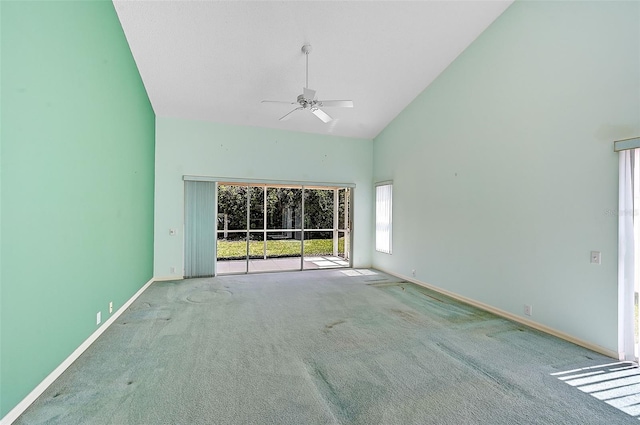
{"x": 307, "y": 80}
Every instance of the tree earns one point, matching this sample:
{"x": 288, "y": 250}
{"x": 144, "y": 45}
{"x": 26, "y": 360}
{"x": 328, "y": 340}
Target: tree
{"x": 284, "y": 208}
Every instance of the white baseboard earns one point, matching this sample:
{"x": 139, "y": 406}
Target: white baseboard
{"x": 165, "y": 278}
{"x": 37, "y": 391}
{"x": 510, "y": 316}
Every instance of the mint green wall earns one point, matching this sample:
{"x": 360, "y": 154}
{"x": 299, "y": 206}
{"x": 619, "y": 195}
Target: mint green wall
{"x": 504, "y": 174}
{"x": 1, "y": 408}
{"x": 77, "y": 164}
{"x": 207, "y": 149}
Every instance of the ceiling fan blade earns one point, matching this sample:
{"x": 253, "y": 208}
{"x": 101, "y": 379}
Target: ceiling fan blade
{"x": 308, "y": 93}
{"x": 286, "y": 117}
{"x": 279, "y": 101}
{"x": 336, "y": 103}
{"x": 321, "y": 114}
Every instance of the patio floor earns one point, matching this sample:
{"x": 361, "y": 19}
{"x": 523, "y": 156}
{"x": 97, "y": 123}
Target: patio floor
{"x": 279, "y": 264}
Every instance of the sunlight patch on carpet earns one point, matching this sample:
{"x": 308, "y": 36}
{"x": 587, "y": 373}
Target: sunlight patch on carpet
{"x": 617, "y": 384}
{"x": 359, "y": 272}
{"x": 327, "y": 262}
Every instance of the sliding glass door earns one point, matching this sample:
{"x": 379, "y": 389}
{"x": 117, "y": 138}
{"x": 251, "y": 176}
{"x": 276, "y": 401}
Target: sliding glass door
{"x": 279, "y": 243}
{"x": 324, "y": 237}
{"x": 282, "y": 227}
{"x": 231, "y": 244}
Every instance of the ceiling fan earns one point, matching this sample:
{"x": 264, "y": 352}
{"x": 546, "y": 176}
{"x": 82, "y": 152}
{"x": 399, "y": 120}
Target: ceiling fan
{"x": 307, "y": 100}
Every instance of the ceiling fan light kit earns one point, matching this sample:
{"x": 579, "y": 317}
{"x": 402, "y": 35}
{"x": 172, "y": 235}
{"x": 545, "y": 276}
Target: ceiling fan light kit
{"x": 307, "y": 100}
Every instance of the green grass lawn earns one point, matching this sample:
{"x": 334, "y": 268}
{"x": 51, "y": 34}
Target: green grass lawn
{"x": 231, "y": 250}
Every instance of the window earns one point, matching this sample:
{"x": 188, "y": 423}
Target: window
{"x": 383, "y": 217}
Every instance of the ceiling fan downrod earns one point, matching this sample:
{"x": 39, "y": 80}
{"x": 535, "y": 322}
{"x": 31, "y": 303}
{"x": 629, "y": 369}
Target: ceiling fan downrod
{"x": 306, "y": 49}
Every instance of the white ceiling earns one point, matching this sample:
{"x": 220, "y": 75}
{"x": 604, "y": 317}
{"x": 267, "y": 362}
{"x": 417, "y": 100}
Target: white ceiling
{"x": 216, "y": 60}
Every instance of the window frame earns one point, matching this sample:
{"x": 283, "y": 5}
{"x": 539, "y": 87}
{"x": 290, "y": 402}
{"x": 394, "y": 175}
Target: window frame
{"x": 384, "y": 218}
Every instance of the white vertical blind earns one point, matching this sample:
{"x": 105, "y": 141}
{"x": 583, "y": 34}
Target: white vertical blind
{"x": 383, "y": 217}
{"x": 627, "y": 241}
{"x": 200, "y": 228}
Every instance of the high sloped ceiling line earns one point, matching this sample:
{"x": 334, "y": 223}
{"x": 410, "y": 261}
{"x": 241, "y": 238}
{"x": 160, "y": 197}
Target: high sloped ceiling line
{"x": 215, "y": 61}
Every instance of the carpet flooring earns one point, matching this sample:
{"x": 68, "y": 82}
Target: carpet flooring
{"x": 318, "y": 347}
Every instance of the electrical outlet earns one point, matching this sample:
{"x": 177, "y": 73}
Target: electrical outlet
{"x": 98, "y": 318}
{"x": 413, "y": 272}
{"x": 110, "y": 307}
{"x": 528, "y": 311}
{"x": 172, "y": 270}
{"x": 596, "y": 257}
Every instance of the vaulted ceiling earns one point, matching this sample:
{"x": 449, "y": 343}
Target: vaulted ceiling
{"x": 216, "y": 60}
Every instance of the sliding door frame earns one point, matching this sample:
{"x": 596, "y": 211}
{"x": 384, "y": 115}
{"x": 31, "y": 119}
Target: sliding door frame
{"x": 303, "y": 185}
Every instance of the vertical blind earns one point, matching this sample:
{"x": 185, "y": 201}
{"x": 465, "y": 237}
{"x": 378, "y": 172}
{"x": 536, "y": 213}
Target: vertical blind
{"x": 200, "y": 228}
{"x": 628, "y": 246}
{"x": 628, "y": 252}
{"x": 383, "y": 217}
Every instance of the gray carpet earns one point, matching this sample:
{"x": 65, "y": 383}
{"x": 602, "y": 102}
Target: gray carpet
{"x": 318, "y": 347}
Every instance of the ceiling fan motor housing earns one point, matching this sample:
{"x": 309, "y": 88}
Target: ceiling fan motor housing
{"x": 304, "y": 102}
